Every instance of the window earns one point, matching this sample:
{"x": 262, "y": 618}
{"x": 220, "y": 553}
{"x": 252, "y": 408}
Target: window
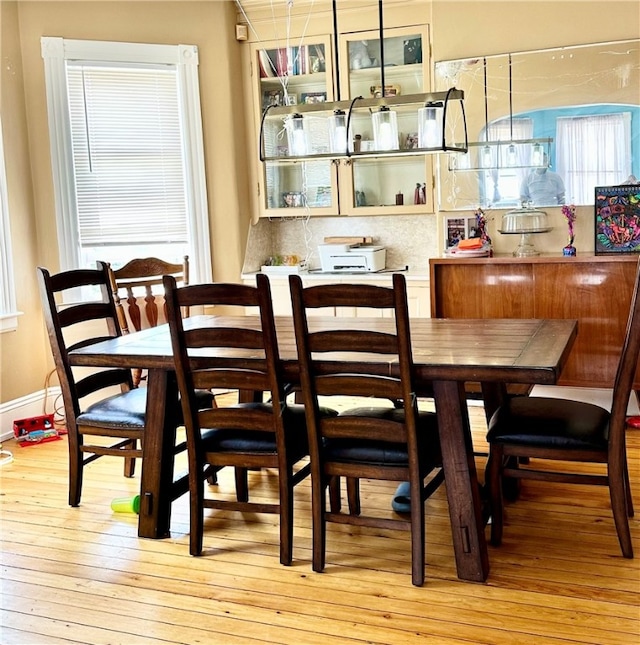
{"x": 8, "y": 309}
{"x": 127, "y": 155}
{"x": 593, "y": 150}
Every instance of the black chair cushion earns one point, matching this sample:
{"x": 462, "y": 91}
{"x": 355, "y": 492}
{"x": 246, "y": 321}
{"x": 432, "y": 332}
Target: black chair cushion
{"x": 384, "y": 453}
{"x": 254, "y": 441}
{"x": 125, "y": 410}
{"x": 550, "y": 423}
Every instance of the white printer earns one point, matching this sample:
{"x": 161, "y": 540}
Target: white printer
{"x": 352, "y": 258}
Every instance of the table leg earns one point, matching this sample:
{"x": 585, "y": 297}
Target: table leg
{"x": 463, "y": 492}
{"x": 156, "y": 493}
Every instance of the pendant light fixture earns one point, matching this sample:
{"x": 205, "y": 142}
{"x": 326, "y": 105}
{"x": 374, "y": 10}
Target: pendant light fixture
{"x": 297, "y": 138}
{"x": 430, "y": 124}
{"x": 339, "y": 132}
{"x": 430, "y": 115}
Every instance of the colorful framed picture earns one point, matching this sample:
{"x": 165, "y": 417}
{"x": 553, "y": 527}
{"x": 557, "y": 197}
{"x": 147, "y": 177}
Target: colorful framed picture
{"x": 617, "y": 219}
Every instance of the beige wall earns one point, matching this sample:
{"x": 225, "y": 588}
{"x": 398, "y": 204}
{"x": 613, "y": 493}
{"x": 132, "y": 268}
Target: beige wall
{"x": 459, "y": 29}
{"x": 210, "y": 26}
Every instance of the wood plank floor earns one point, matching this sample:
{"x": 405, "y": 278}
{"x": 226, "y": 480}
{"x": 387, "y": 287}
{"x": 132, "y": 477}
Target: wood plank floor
{"x": 81, "y": 575}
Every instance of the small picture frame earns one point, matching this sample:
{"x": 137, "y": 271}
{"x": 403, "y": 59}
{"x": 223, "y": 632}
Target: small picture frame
{"x": 291, "y": 99}
{"x": 411, "y": 142}
{"x": 617, "y": 219}
{"x": 272, "y": 97}
{"x": 313, "y": 97}
{"x": 389, "y": 90}
{"x": 293, "y": 199}
{"x": 459, "y": 228}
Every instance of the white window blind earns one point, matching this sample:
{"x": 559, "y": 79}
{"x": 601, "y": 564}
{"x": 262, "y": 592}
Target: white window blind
{"x": 127, "y": 153}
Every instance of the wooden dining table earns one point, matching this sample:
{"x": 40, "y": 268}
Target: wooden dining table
{"x": 447, "y": 354}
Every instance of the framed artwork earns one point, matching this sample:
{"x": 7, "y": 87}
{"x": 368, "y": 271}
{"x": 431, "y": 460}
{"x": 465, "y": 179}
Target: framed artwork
{"x": 617, "y": 219}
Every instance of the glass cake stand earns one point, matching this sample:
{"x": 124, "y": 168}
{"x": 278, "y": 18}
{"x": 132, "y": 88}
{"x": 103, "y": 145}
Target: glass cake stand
{"x": 525, "y": 222}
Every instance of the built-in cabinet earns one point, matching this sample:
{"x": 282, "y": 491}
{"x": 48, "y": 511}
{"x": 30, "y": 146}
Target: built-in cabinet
{"x": 417, "y": 293}
{"x": 309, "y": 71}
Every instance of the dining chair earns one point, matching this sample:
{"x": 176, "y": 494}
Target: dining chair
{"x": 141, "y": 279}
{"x": 527, "y": 432}
{"x": 246, "y": 435}
{"x": 75, "y": 324}
{"x": 377, "y": 440}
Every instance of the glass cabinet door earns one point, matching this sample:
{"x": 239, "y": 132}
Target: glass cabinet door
{"x": 376, "y": 185}
{"x": 292, "y": 76}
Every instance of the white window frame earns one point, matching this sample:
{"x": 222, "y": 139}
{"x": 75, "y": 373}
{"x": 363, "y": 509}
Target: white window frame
{"x": 55, "y": 52}
{"x": 8, "y": 308}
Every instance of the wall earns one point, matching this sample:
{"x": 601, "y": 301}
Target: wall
{"x": 211, "y": 26}
{"x": 24, "y": 352}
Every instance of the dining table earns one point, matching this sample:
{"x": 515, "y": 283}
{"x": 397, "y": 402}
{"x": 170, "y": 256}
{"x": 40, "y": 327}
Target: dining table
{"x": 447, "y": 353}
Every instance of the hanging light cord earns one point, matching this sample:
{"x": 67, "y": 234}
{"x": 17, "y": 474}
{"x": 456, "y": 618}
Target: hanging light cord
{"x": 380, "y": 25}
{"x": 510, "y": 101}
{"x": 486, "y": 105}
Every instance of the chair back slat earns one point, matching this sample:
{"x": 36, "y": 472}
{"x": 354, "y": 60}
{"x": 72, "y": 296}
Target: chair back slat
{"x": 236, "y": 337}
{"x": 233, "y": 379}
{"x": 234, "y": 418}
{"x": 353, "y": 340}
{"x": 369, "y": 428}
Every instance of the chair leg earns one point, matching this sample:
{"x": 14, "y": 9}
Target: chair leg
{"x": 130, "y": 462}
{"x": 196, "y": 517}
{"x": 242, "y": 484}
{"x": 286, "y": 519}
{"x": 417, "y": 535}
{"x": 627, "y": 486}
{"x": 75, "y": 469}
{"x": 619, "y": 506}
{"x": 335, "y": 503}
{"x": 318, "y": 521}
{"x": 353, "y": 495}
{"x": 494, "y": 480}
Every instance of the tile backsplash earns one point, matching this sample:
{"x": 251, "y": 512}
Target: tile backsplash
{"x": 410, "y": 240}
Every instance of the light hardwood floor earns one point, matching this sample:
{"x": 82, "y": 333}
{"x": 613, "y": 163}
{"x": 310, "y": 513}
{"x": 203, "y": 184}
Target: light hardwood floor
{"x": 81, "y": 575}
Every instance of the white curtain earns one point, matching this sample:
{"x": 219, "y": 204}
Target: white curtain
{"x": 593, "y": 151}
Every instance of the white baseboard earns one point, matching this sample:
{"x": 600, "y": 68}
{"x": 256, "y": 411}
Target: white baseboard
{"x": 31, "y": 405}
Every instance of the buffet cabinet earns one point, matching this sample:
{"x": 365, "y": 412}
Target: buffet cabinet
{"x": 595, "y": 290}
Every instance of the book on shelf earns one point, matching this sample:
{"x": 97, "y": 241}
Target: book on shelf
{"x": 291, "y": 61}
{"x": 267, "y": 67}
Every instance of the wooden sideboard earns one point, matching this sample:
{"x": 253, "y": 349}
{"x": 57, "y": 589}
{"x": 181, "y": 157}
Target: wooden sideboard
{"x": 595, "y": 290}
